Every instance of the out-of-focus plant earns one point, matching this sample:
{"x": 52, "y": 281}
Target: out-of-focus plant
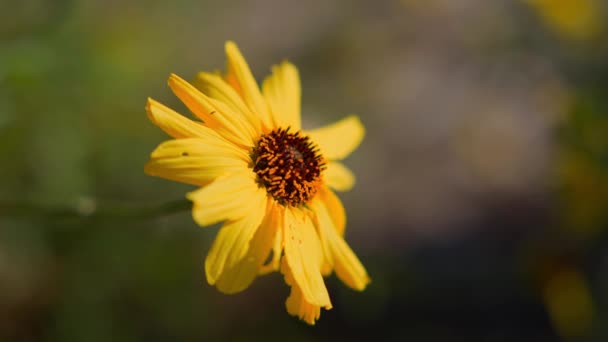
{"x": 571, "y": 19}
{"x": 583, "y": 166}
{"x": 569, "y": 304}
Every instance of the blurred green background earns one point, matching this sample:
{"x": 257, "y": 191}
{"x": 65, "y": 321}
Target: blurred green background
{"x": 482, "y": 196}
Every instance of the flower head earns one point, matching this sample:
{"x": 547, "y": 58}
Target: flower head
{"x": 270, "y": 183}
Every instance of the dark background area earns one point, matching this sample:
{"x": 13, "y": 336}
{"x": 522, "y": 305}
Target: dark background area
{"x": 482, "y": 183}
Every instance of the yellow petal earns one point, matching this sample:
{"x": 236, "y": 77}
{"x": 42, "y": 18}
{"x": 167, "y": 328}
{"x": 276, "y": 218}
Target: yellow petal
{"x": 262, "y": 243}
{"x": 322, "y": 221}
{"x": 228, "y": 262}
{"x": 239, "y": 75}
{"x": 229, "y": 197}
{"x": 297, "y": 306}
{"x": 303, "y": 256}
{"x": 338, "y": 176}
{"x": 196, "y": 161}
{"x": 176, "y": 125}
{"x": 348, "y": 267}
{"x": 282, "y": 92}
{"x": 337, "y": 252}
{"x": 215, "y": 114}
{"x": 335, "y": 208}
{"x": 338, "y": 140}
{"x": 276, "y": 221}
{"x": 336, "y": 213}
{"x": 216, "y": 87}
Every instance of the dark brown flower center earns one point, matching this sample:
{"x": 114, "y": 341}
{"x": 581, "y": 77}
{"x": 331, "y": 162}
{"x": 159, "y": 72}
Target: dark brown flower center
{"x": 289, "y": 165}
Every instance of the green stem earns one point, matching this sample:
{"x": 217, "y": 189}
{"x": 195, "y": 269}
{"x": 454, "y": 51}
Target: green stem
{"x": 94, "y": 212}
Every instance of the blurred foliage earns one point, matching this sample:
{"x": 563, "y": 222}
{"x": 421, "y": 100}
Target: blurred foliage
{"x": 583, "y": 163}
{"x": 480, "y": 209}
{"x": 573, "y": 19}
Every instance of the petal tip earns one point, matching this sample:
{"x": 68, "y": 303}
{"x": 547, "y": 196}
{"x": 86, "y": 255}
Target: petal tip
{"x": 230, "y": 46}
{"x": 175, "y": 80}
{"x": 172, "y": 78}
{"x": 191, "y": 195}
{"x": 363, "y": 285}
{"x": 356, "y": 120}
{"x": 148, "y": 103}
{"x": 288, "y": 65}
{"x": 211, "y": 279}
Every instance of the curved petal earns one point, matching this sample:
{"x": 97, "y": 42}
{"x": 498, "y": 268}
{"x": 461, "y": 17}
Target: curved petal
{"x": 263, "y": 241}
{"x": 338, "y": 140}
{"x": 228, "y": 260}
{"x": 303, "y": 256}
{"x": 275, "y": 223}
{"x": 282, "y": 92}
{"x": 196, "y": 161}
{"x": 334, "y": 208}
{"x": 175, "y": 124}
{"x": 240, "y": 77}
{"x": 338, "y": 176}
{"x": 321, "y": 216}
{"x": 216, "y": 87}
{"x": 296, "y": 304}
{"x": 337, "y": 252}
{"x": 215, "y": 114}
{"x": 229, "y": 197}
{"x": 348, "y": 267}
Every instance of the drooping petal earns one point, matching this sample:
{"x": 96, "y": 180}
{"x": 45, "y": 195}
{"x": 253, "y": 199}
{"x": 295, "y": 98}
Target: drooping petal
{"x": 348, "y": 267}
{"x": 240, "y": 77}
{"x": 196, "y": 161}
{"x": 296, "y": 304}
{"x": 303, "y": 256}
{"x": 321, "y": 216}
{"x": 229, "y": 197}
{"x": 228, "y": 263}
{"x": 175, "y": 124}
{"x": 335, "y": 209}
{"x": 263, "y": 242}
{"x": 338, "y": 140}
{"x": 275, "y": 223}
{"x": 337, "y": 252}
{"x": 215, "y": 114}
{"x": 338, "y": 176}
{"x": 216, "y": 87}
{"x": 282, "y": 92}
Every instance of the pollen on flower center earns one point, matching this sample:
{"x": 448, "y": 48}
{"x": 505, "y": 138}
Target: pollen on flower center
{"x": 289, "y": 166}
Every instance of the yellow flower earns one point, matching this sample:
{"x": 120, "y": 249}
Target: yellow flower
{"x": 269, "y": 181}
